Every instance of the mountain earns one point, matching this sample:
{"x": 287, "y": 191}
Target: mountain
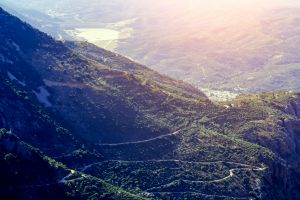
{"x": 223, "y": 47}
{"x": 93, "y": 124}
{"x": 66, "y": 83}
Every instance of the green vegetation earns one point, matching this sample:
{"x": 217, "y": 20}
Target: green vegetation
{"x": 114, "y": 129}
{"x": 19, "y": 161}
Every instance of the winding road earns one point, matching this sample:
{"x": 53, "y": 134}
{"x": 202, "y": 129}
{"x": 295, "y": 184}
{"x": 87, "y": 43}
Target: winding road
{"x": 231, "y": 174}
{"x": 140, "y": 141}
{"x": 202, "y": 194}
{"x": 237, "y": 167}
{"x": 231, "y": 171}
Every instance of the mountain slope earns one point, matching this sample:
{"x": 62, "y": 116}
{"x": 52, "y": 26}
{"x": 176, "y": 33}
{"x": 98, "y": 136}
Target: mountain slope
{"x": 68, "y": 85}
{"x": 51, "y": 180}
{"x": 219, "y": 46}
{"x": 117, "y": 124}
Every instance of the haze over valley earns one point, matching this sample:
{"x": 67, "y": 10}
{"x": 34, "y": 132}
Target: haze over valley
{"x": 223, "y": 47}
{"x": 149, "y": 100}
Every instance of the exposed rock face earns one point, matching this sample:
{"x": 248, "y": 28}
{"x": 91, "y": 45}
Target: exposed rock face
{"x": 293, "y": 161}
{"x": 292, "y": 126}
{"x": 294, "y": 109}
{"x": 285, "y": 173}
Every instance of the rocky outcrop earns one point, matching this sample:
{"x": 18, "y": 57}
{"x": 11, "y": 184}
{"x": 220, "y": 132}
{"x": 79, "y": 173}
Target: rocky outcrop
{"x": 285, "y": 173}
{"x": 293, "y": 108}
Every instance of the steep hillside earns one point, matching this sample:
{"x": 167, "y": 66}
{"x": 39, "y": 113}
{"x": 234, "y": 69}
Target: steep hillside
{"x": 98, "y": 102}
{"x": 118, "y": 126}
{"x": 26, "y": 173}
{"x": 248, "y": 148}
{"x": 21, "y": 113}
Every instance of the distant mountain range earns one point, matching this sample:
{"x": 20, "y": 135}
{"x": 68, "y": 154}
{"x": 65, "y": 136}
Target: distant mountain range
{"x": 81, "y": 122}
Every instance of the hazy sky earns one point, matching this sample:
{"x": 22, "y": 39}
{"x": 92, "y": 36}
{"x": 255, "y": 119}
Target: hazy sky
{"x": 193, "y": 3}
